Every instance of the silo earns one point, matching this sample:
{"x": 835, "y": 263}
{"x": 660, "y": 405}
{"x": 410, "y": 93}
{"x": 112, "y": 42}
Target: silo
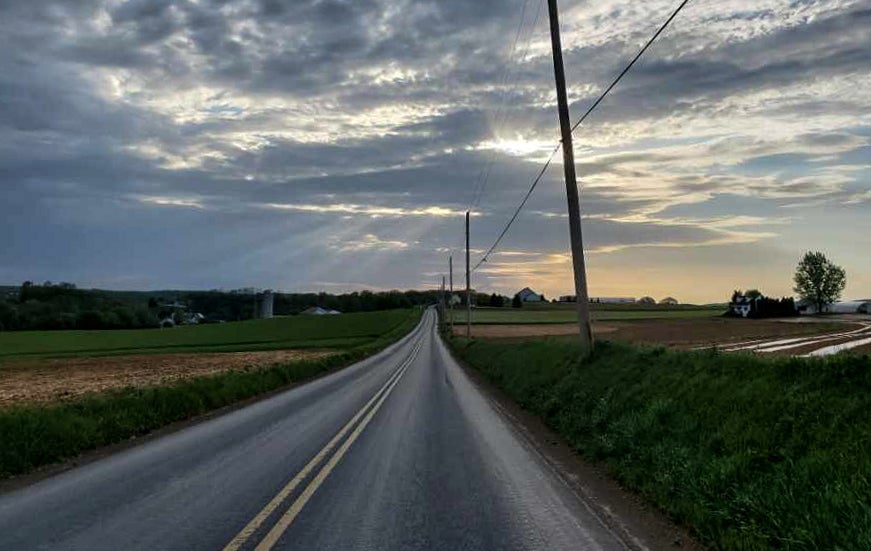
{"x": 267, "y": 299}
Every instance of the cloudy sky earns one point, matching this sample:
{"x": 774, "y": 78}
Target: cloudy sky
{"x": 328, "y": 144}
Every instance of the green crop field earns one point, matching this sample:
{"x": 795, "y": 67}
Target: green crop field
{"x": 563, "y": 314}
{"x": 338, "y": 331}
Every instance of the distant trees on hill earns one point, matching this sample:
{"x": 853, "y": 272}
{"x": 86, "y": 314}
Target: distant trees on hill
{"x": 63, "y": 306}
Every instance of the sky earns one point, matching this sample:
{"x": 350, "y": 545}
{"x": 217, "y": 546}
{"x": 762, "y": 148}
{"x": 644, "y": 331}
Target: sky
{"x": 335, "y": 145}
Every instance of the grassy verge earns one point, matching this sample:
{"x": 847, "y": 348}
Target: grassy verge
{"x": 37, "y": 435}
{"x": 750, "y": 453}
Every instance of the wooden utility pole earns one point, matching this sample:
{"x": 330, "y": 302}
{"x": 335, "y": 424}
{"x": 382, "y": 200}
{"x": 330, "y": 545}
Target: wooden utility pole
{"x": 468, "y": 285}
{"x": 451, "y": 297}
{"x": 574, "y": 203}
{"x": 442, "y": 317}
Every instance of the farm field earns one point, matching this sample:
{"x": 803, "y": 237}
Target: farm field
{"x": 342, "y": 331}
{"x": 62, "y": 379}
{"x": 63, "y": 393}
{"x": 680, "y": 333}
{"x": 568, "y": 314}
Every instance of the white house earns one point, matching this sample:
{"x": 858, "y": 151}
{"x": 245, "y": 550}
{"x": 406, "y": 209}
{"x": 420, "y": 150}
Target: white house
{"x": 742, "y": 305}
{"x": 528, "y": 295}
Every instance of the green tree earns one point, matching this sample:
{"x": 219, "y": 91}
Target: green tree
{"x": 753, "y": 293}
{"x": 819, "y": 281}
{"x": 516, "y": 302}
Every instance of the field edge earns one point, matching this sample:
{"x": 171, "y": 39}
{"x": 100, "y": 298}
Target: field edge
{"x": 45, "y": 437}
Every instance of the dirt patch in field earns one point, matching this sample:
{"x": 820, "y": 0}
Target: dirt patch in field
{"x": 678, "y": 333}
{"x": 63, "y": 379}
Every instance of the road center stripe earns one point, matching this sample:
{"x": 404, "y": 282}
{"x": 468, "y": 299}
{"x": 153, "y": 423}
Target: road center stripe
{"x": 288, "y": 517}
{"x": 239, "y": 540}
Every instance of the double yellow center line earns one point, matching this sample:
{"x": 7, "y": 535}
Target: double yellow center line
{"x": 367, "y": 412}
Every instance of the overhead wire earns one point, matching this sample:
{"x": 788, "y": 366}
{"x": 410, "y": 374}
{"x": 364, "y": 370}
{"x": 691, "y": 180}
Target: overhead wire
{"x": 483, "y": 174}
{"x": 592, "y": 108}
{"x": 503, "y": 110}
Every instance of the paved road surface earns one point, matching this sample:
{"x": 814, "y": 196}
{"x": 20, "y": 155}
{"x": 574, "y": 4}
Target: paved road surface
{"x": 400, "y": 451}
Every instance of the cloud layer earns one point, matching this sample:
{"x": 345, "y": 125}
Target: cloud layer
{"x": 219, "y": 144}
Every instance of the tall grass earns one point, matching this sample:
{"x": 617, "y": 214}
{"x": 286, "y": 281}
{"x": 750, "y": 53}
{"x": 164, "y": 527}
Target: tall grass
{"x": 36, "y": 435}
{"x": 750, "y": 453}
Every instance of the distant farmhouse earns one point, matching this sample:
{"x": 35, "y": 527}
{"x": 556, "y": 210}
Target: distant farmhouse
{"x": 528, "y": 295}
{"x": 742, "y": 305}
{"x": 754, "y": 304}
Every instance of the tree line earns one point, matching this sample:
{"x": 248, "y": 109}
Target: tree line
{"x": 59, "y": 306}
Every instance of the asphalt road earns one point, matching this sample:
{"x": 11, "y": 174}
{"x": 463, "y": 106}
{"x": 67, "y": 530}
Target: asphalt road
{"x": 400, "y": 451}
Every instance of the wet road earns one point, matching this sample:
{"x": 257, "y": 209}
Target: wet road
{"x": 400, "y": 451}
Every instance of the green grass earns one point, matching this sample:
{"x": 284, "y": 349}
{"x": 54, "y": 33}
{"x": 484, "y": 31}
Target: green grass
{"x": 340, "y": 331}
{"x": 36, "y": 435}
{"x": 569, "y": 314}
{"x": 750, "y": 453}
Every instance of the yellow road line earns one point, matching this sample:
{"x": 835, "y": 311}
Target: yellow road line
{"x": 288, "y": 517}
{"x": 239, "y": 540}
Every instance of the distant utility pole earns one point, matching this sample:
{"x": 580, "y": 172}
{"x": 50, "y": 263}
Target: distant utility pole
{"x": 574, "y": 203}
{"x": 468, "y": 285}
{"x": 451, "y": 297}
{"x": 443, "y": 304}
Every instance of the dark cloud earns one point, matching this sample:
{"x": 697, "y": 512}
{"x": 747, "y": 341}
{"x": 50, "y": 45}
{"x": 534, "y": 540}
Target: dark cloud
{"x": 144, "y": 141}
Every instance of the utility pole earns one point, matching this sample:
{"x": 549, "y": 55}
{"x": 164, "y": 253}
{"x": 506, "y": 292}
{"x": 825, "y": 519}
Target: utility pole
{"x": 442, "y": 317}
{"x": 451, "y": 297}
{"x": 574, "y": 203}
{"x": 468, "y": 285}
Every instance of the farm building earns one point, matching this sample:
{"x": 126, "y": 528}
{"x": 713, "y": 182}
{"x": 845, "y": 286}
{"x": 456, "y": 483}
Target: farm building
{"x": 851, "y": 307}
{"x": 318, "y": 311}
{"x": 614, "y": 300}
{"x": 528, "y": 295}
{"x": 842, "y": 307}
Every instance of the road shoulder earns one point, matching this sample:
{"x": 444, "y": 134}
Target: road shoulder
{"x": 640, "y": 525}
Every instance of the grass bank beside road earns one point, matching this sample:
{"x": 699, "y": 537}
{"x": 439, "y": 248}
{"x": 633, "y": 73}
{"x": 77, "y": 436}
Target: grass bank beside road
{"x": 38, "y": 434}
{"x": 749, "y": 453}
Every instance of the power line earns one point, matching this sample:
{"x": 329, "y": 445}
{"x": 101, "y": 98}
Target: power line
{"x": 502, "y": 84}
{"x": 575, "y": 126}
{"x": 631, "y": 63}
{"x": 501, "y": 116}
{"x": 519, "y": 207}
{"x": 504, "y": 112}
